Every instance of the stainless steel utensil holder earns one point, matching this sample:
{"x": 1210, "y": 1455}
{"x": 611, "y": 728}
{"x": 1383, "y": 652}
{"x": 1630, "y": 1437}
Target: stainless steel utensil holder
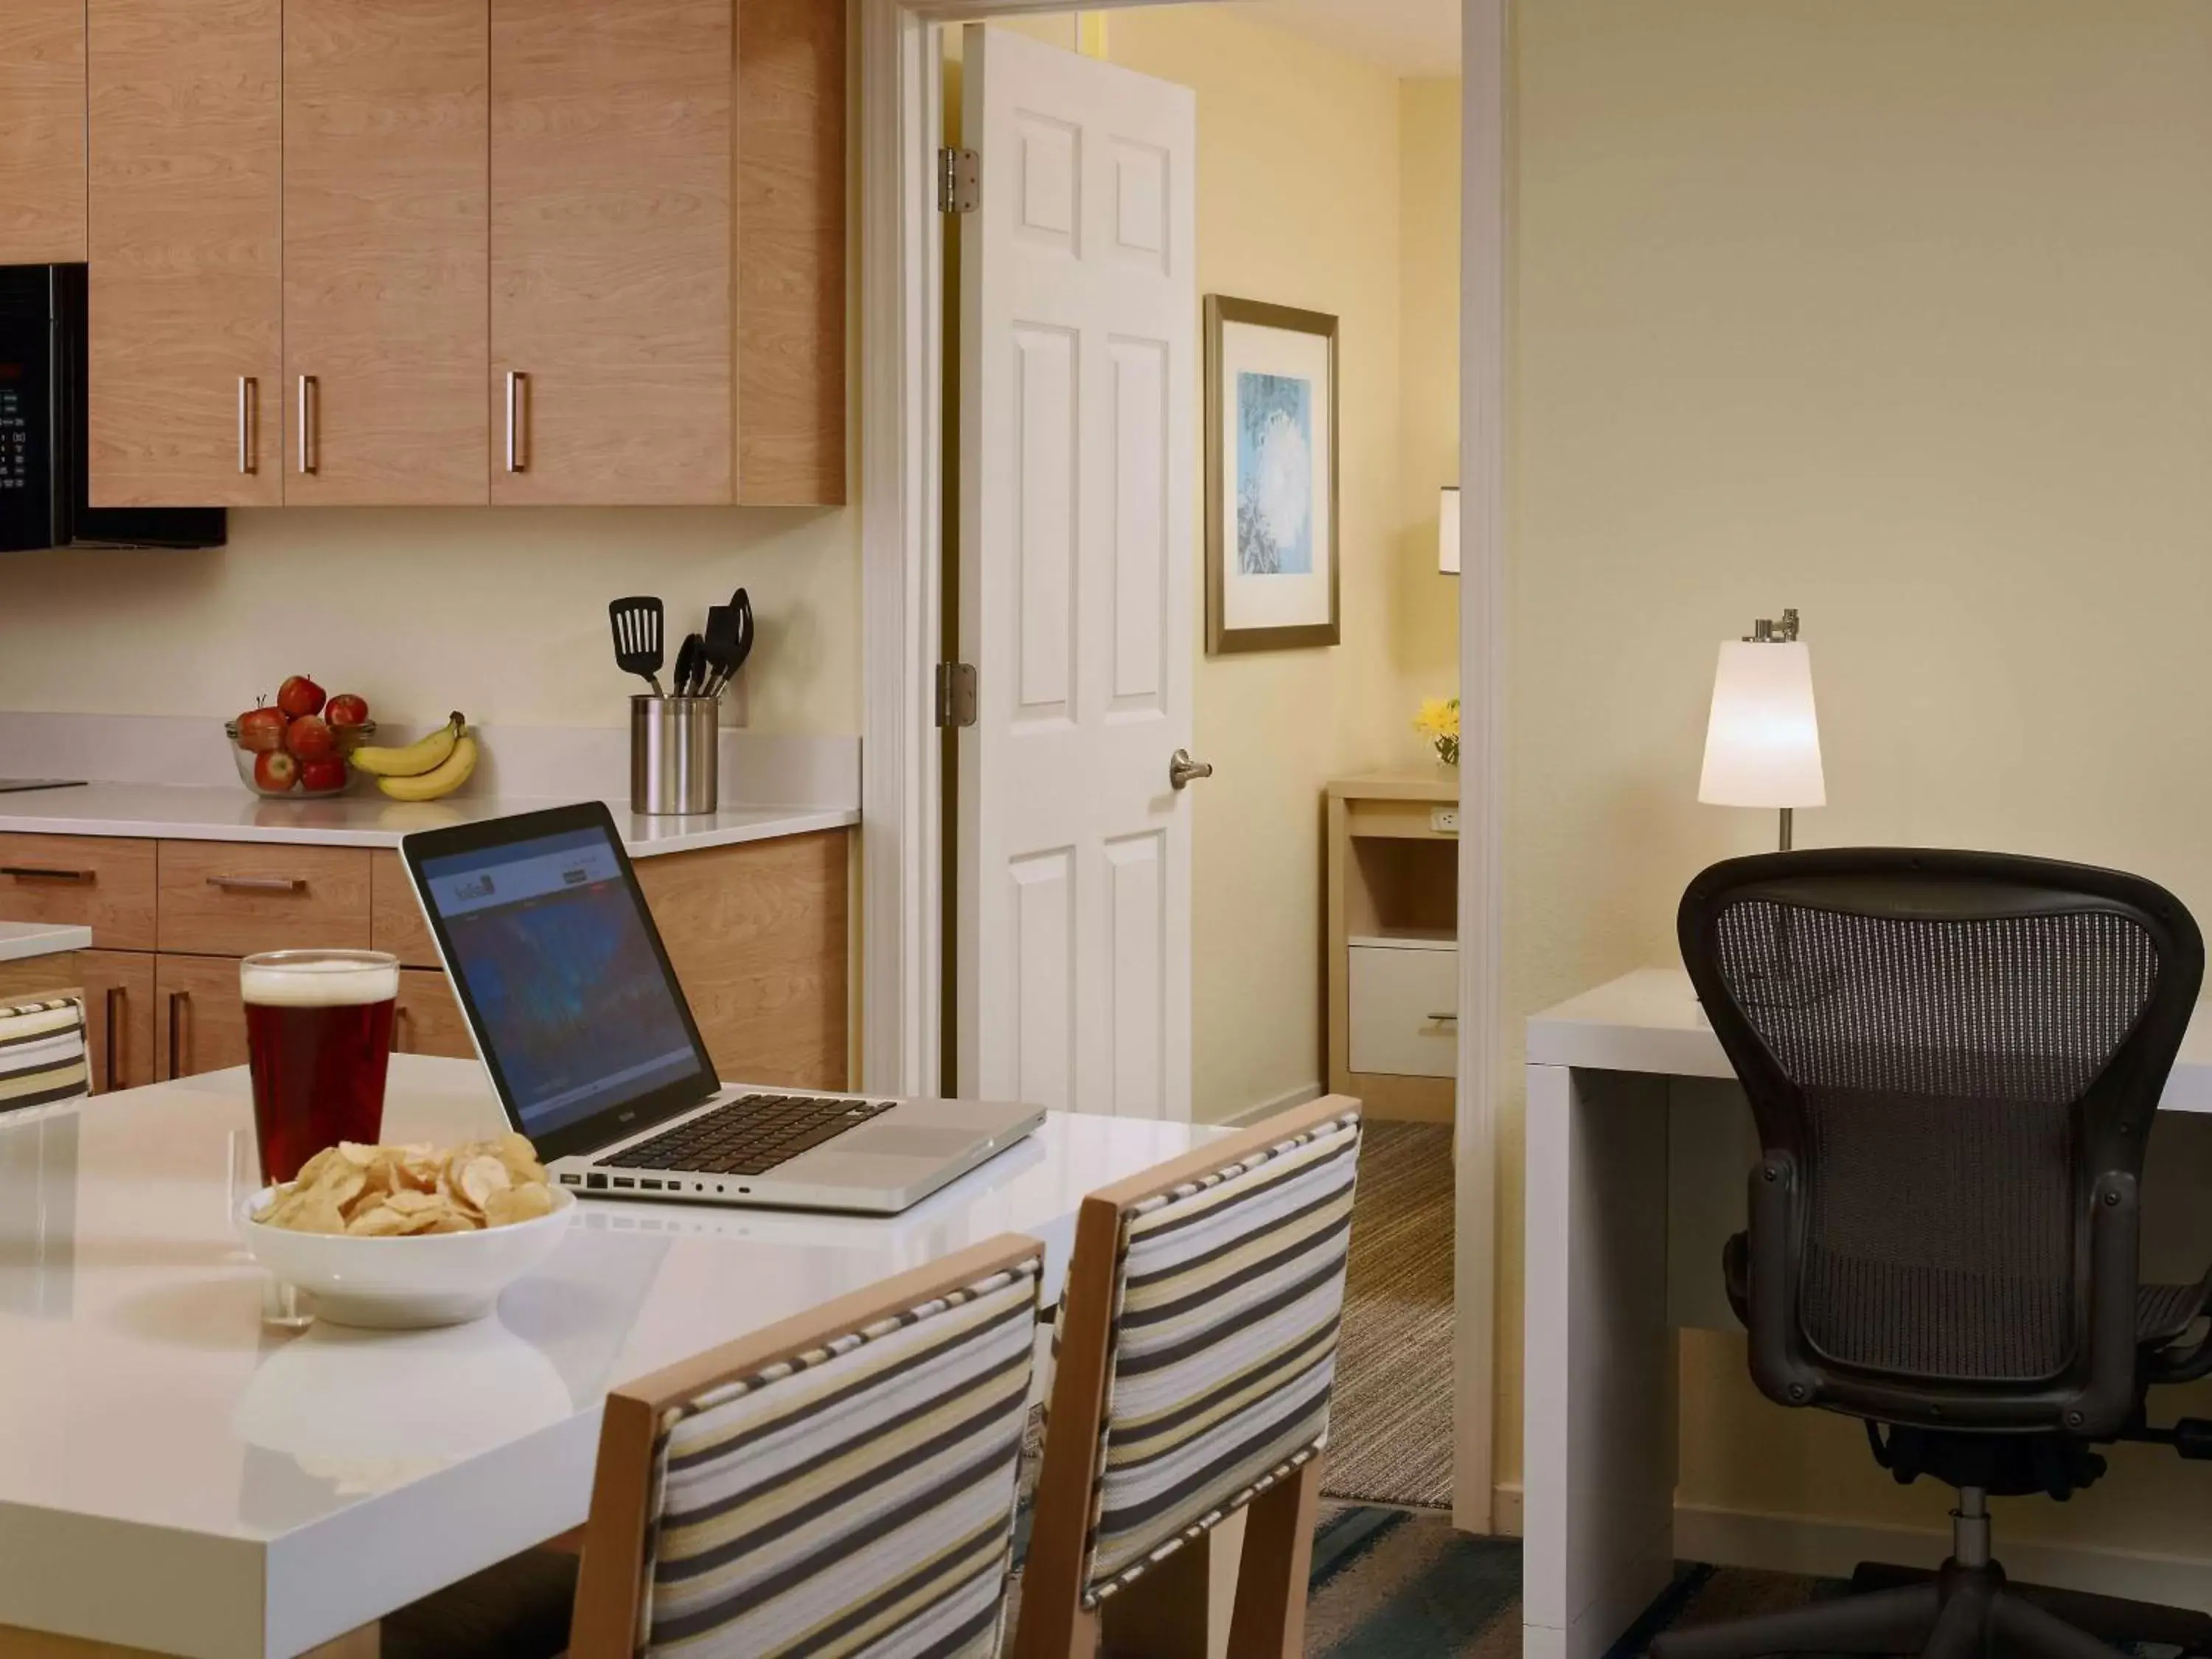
{"x": 674, "y": 755}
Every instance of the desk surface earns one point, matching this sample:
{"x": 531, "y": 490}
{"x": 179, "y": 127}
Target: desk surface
{"x": 259, "y": 1493}
{"x": 21, "y": 940}
{"x": 1650, "y": 1021}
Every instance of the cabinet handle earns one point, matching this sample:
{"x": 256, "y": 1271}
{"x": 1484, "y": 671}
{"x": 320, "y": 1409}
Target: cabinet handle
{"x": 518, "y": 418}
{"x": 177, "y": 999}
{"x": 114, "y": 1024}
{"x": 249, "y": 424}
{"x": 259, "y": 884}
{"x": 42, "y": 872}
{"x": 1442, "y": 1019}
{"x": 311, "y": 421}
{"x": 398, "y": 1030}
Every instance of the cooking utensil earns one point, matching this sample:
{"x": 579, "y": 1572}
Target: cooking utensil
{"x": 722, "y": 647}
{"x": 733, "y": 644}
{"x": 637, "y": 625}
{"x": 691, "y": 666}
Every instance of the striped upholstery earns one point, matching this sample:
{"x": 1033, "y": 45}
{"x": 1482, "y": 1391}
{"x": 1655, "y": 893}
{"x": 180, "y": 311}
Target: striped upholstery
{"x": 1226, "y": 1305}
{"x": 857, "y": 1499}
{"x": 43, "y": 1060}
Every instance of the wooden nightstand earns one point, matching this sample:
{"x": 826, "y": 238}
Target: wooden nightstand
{"x": 1393, "y": 945}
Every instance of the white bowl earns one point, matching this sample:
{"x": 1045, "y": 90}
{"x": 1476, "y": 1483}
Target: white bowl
{"x": 405, "y": 1284}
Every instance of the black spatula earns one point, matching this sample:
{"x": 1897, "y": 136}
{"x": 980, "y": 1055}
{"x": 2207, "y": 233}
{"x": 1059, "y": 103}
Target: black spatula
{"x": 637, "y": 628}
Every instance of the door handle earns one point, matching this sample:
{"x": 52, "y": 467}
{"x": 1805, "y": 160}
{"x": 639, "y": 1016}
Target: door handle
{"x": 258, "y": 883}
{"x": 177, "y": 999}
{"x": 43, "y": 872}
{"x": 1181, "y": 768}
{"x": 114, "y": 1024}
{"x": 518, "y": 416}
{"x": 249, "y": 424}
{"x": 311, "y": 424}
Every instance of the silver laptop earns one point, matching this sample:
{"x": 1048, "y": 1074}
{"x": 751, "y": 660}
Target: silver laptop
{"x": 596, "y": 1057}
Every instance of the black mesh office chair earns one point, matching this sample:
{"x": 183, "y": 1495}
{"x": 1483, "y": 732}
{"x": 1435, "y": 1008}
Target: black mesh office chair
{"x": 1954, "y": 1059}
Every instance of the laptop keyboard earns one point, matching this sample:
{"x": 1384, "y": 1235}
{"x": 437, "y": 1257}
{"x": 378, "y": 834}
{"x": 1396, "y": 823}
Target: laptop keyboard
{"x": 749, "y": 1135}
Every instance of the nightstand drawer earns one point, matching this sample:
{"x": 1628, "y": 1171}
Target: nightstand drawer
{"x": 233, "y": 898}
{"x": 1405, "y": 998}
{"x": 98, "y": 882}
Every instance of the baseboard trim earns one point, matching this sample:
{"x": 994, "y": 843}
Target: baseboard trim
{"x": 1808, "y": 1544}
{"x": 1286, "y": 1101}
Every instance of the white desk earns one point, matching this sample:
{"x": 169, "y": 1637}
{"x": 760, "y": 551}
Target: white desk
{"x": 20, "y": 941}
{"x": 175, "y": 1476}
{"x": 1639, "y": 1144}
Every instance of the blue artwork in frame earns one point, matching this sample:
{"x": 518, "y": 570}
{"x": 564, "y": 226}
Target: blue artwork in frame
{"x": 1275, "y": 475}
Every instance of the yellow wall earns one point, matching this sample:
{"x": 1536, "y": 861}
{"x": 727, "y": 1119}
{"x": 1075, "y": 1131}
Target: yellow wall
{"x": 502, "y": 614}
{"x": 1299, "y": 204}
{"x": 1428, "y": 395}
{"x": 1899, "y": 314}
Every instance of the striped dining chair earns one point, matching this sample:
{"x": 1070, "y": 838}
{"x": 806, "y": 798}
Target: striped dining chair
{"x": 1194, "y": 1354}
{"x": 43, "y": 1059}
{"x": 842, "y": 1483}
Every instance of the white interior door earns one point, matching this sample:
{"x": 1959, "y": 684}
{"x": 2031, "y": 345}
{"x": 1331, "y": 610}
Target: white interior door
{"x": 1078, "y": 375}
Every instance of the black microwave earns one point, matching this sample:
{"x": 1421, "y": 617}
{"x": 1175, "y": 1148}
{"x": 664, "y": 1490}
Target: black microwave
{"x": 43, "y": 484}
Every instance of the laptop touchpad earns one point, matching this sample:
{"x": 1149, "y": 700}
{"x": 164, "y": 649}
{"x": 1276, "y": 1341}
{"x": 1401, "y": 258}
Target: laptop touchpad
{"x": 904, "y": 1140}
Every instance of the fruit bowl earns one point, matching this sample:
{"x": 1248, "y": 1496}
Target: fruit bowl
{"x": 344, "y": 740}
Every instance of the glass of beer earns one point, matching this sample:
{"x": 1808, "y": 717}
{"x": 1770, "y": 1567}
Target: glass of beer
{"x": 319, "y": 1037}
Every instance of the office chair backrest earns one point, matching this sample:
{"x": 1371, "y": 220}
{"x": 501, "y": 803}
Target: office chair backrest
{"x": 1954, "y": 1059}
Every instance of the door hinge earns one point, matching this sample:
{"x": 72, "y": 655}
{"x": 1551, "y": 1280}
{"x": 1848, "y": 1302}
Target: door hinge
{"x": 956, "y": 694}
{"x": 959, "y": 180}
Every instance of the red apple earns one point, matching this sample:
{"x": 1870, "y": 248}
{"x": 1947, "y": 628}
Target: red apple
{"x": 275, "y": 772}
{"x": 261, "y": 731}
{"x": 300, "y": 696}
{"x": 310, "y": 737}
{"x": 346, "y": 710}
{"x": 327, "y": 773}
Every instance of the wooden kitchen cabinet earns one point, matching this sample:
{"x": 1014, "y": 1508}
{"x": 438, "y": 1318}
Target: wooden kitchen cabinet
{"x": 233, "y": 898}
{"x": 103, "y": 883}
{"x": 186, "y": 297}
{"x": 199, "y": 1016}
{"x": 428, "y": 1019}
{"x": 757, "y": 934}
{"x": 118, "y": 1007}
{"x": 42, "y": 92}
{"x": 387, "y": 264}
{"x": 610, "y": 252}
{"x": 396, "y": 922}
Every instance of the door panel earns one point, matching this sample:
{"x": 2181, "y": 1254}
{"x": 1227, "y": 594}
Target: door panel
{"x": 610, "y": 163}
{"x": 185, "y": 296}
{"x": 118, "y": 1005}
{"x": 387, "y": 235}
{"x": 42, "y": 140}
{"x": 1076, "y": 581}
{"x": 200, "y": 1016}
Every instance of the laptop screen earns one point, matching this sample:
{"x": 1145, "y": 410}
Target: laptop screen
{"x": 556, "y": 958}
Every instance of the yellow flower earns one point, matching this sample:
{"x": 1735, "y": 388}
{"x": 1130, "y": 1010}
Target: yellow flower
{"x": 1439, "y": 718}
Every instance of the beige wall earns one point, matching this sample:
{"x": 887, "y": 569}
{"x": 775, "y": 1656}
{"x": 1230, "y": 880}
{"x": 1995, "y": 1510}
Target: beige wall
{"x": 1428, "y": 392}
{"x": 1900, "y": 317}
{"x": 502, "y": 614}
{"x": 1298, "y": 183}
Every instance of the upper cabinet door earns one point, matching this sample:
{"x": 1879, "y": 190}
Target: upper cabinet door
{"x": 610, "y": 252}
{"x": 385, "y": 254}
{"x": 186, "y": 295}
{"x": 42, "y": 133}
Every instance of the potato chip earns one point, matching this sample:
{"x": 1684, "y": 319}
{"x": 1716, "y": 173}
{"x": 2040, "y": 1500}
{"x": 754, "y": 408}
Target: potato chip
{"x": 525, "y": 1202}
{"x": 318, "y": 1215}
{"x": 520, "y": 1159}
{"x": 378, "y": 1221}
{"x": 481, "y": 1177}
{"x": 406, "y": 1191}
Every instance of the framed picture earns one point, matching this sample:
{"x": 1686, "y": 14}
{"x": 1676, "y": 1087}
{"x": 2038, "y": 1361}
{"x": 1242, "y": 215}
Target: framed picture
{"x": 1270, "y": 476}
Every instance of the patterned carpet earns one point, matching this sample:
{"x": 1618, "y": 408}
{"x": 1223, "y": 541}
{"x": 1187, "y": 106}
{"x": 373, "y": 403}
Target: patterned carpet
{"x": 1395, "y": 1585}
{"x": 1390, "y": 1424}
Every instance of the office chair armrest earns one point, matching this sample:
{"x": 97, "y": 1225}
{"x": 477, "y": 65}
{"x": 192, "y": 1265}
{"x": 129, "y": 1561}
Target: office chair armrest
{"x": 1772, "y": 1206}
{"x": 2181, "y": 1363}
{"x": 2109, "y": 1398}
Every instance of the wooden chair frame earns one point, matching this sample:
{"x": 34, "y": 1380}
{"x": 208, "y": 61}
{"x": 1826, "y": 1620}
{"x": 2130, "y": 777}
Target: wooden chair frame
{"x": 1161, "y": 1614}
{"x": 609, "y": 1586}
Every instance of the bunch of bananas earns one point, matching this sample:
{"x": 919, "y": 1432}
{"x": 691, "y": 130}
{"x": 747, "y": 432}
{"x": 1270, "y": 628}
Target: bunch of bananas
{"x": 426, "y": 770}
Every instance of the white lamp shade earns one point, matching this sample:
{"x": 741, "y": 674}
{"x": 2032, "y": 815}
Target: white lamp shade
{"x": 1762, "y": 744}
{"x": 1447, "y": 533}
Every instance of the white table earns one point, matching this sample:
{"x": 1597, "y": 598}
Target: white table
{"x": 20, "y": 941}
{"x": 174, "y": 1475}
{"x": 1639, "y": 1144}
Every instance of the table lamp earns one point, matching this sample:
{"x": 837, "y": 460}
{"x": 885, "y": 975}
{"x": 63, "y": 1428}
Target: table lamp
{"x": 1763, "y": 741}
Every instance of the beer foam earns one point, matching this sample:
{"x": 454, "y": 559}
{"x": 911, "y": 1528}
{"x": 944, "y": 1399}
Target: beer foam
{"x": 334, "y": 984}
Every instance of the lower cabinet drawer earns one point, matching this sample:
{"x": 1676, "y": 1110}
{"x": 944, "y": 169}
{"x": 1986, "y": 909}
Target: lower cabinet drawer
{"x": 1405, "y": 1000}
{"x": 427, "y": 1018}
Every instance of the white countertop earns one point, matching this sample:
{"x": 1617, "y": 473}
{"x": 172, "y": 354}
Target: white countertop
{"x": 1650, "y": 1021}
{"x": 21, "y": 940}
{"x": 256, "y": 1492}
{"x": 183, "y": 813}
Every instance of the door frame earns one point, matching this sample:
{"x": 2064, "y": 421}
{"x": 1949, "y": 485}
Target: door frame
{"x": 900, "y": 119}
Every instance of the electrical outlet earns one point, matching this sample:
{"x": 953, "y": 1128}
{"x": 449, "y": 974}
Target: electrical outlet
{"x": 1444, "y": 820}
